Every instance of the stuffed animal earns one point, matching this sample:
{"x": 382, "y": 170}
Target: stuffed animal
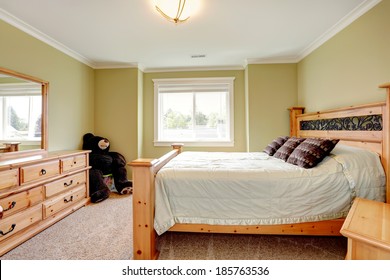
{"x": 103, "y": 163}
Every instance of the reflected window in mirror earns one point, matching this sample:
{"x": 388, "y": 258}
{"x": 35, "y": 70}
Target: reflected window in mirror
{"x": 20, "y": 113}
{"x": 23, "y": 113}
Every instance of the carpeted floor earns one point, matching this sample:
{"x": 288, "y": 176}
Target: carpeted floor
{"x": 193, "y": 246}
{"x": 103, "y": 231}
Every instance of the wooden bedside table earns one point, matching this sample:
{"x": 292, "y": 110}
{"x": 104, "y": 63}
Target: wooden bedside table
{"x": 367, "y": 227}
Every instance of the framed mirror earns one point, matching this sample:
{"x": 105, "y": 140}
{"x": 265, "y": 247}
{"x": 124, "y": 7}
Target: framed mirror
{"x": 23, "y": 115}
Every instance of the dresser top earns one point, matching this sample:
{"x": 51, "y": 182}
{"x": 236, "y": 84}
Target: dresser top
{"x": 15, "y": 162}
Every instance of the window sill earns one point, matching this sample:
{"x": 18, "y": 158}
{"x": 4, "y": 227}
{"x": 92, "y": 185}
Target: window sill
{"x": 195, "y": 143}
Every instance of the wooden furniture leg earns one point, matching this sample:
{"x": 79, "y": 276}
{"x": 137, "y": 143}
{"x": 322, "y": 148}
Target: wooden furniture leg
{"x": 144, "y": 235}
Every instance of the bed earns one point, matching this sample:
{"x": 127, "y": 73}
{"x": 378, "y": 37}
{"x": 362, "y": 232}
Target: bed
{"x": 163, "y": 197}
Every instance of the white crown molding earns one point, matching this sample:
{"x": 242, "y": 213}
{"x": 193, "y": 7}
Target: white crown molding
{"x": 116, "y": 65}
{"x": 276, "y": 60}
{"x": 16, "y": 22}
{"x": 188, "y": 69}
{"x": 340, "y": 25}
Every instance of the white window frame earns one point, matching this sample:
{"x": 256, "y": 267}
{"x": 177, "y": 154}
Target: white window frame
{"x": 18, "y": 89}
{"x": 188, "y": 82}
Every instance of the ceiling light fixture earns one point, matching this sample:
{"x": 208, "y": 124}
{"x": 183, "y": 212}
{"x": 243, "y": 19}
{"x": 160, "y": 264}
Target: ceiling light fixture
{"x": 175, "y": 11}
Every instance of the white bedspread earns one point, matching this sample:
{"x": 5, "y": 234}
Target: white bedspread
{"x": 256, "y": 189}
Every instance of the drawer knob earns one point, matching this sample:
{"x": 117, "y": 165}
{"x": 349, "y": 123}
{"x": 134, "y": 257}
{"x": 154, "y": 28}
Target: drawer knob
{"x": 1, "y": 212}
{"x": 43, "y": 172}
{"x": 10, "y": 230}
{"x": 12, "y": 205}
{"x": 68, "y": 200}
{"x": 67, "y": 185}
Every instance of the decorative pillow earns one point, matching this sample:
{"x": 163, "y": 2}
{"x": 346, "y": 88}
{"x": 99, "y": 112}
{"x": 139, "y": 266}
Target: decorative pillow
{"x": 288, "y": 147}
{"x": 311, "y": 152}
{"x": 275, "y": 145}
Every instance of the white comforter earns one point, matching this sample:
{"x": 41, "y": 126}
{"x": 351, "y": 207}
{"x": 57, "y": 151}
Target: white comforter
{"x": 256, "y": 189}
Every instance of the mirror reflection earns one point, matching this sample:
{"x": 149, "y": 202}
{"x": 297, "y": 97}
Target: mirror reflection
{"x": 21, "y": 113}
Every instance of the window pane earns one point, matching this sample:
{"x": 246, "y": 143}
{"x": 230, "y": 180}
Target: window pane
{"x": 176, "y": 119}
{"x": 195, "y": 111}
{"x": 210, "y": 115}
{"x": 193, "y": 116}
{"x": 22, "y": 118}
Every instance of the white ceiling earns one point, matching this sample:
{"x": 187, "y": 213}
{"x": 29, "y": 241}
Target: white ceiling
{"x": 231, "y": 33}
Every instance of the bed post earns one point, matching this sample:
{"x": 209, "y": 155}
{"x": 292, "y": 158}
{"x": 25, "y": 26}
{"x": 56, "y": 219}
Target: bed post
{"x": 294, "y": 111}
{"x": 144, "y": 235}
{"x": 386, "y": 140}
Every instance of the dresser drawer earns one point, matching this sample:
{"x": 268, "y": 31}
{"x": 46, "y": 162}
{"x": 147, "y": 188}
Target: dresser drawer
{"x": 39, "y": 171}
{"x": 9, "y": 178}
{"x": 56, "y": 204}
{"x": 65, "y": 184}
{"x": 20, "y": 201}
{"x": 20, "y": 221}
{"x": 72, "y": 163}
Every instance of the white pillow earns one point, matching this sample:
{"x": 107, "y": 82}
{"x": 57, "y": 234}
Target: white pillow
{"x": 363, "y": 170}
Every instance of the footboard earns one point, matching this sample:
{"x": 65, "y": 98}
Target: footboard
{"x": 144, "y": 171}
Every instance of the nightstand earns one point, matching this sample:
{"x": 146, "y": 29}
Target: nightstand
{"x": 367, "y": 227}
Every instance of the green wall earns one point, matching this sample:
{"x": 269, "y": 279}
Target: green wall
{"x": 71, "y": 85}
{"x": 140, "y": 111}
{"x": 116, "y": 109}
{"x": 348, "y": 68}
{"x": 262, "y": 95}
{"x": 271, "y": 90}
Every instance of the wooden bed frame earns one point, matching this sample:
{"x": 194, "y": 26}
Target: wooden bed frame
{"x": 145, "y": 170}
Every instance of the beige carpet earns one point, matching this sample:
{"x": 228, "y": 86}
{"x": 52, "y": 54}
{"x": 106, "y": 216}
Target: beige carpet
{"x": 103, "y": 231}
{"x": 192, "y": 246}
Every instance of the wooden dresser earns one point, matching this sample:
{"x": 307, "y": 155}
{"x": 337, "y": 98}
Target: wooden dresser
{"x": 37, "y": 191}
{"x": 367, "y": 227}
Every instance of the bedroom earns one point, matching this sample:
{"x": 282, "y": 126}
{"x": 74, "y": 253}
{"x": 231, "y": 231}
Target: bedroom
{"x": 346, "y": 70}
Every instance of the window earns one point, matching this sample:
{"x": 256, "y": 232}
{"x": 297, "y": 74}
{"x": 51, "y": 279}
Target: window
{"x": 20, "y": 114}
{"x": 196, "y": 112}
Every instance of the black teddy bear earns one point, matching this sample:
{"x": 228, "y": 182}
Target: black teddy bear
{"x": 104, "y": 162}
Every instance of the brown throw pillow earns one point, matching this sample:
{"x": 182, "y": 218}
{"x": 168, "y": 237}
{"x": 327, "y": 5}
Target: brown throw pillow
{"x": 311, "y": 152}
{"x": 288, "y": 147}
{"x": 275, "y": 145}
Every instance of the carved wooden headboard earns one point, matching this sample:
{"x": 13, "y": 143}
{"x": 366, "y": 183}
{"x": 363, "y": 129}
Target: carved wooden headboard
{"x": 365, "y": 126}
